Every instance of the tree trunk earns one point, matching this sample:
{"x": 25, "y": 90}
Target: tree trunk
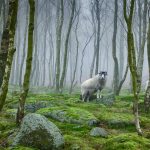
{"x": 116, "y": 66}
{"x": 60, "y": 20}
{"x": 132, "y": 61}
{"x": 147, "y": 94}
{"x": 24, "y": 48}
{"x": 9, "y": 39}
{"x": 5, "y": 44}
{"x": 141, "y": 50}
{"x": 26, "y": 83}
{"x": 66, "y": 47}
{"x": 98, "y": 35}
{"x": 76, "y": 60}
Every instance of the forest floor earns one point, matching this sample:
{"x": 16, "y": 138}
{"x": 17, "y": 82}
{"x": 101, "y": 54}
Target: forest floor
{"x": 116, "y": 119}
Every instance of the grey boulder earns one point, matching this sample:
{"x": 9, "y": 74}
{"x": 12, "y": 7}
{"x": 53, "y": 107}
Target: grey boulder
{"x": 38, "y": 132}
{"x": 98, "y": 132}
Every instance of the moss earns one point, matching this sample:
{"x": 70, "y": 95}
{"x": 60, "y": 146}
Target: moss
{"x": 68, "y": 114}
{"x": 6, "y": 124}
{"x": 21, "y": 148}
{"x": 127, "y": 142}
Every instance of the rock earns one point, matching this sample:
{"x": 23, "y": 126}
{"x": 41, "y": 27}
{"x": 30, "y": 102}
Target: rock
{"x": 33, "y": 107}
{"x": 38, "y": 132}
{"x": 98, "y": 132}
{"x": 69, "y": 115}
{"x": 106, "y": 99}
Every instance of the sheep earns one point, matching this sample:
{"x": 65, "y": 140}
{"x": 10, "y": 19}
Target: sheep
{"x": 92, "y": 85}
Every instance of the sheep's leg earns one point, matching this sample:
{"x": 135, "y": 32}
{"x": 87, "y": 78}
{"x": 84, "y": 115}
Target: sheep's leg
{"x": 98, "y": 94}
{"x": 84, "y": 97}
{"x": 88, "y": 98}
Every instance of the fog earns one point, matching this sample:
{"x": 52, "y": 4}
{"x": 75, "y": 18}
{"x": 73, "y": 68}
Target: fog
{"x": 44, "y": 56}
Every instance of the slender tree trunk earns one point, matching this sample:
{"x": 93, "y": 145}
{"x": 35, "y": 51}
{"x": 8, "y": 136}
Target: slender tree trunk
{"x": 98, "y": 35}
{"x": 26, "y": 83}
{"x": 5, "y": 44}
{"x": 116, "y": 66}
{"x": 132, "y": 61}
{"x": 66, "y": 48}
{"x": 141, "y": 50}
{"x": 10, "y": 33}
{"x": 24, "y": 49}
{"x": 60, "y": 20}
{"x": 122, "y": 80}
{"x": 76, "y": 60}
{"x": 94, "y": 30}
{"x": 147, "y": 94}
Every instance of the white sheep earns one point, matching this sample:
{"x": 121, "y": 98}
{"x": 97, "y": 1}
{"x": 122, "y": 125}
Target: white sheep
{"x": 92, "y": 85}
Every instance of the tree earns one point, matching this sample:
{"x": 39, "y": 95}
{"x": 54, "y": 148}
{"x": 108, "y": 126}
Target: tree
{"x": 66, "y": 47}
{"x": 8, "y": 38}
{"x": 26, "y": 82}
{"x": 132, "y": 60}
{"x": 97, "y": 3}
{"x": 141, "y": 45}
{"x": 116, "y": 65}
{"x": 60, "y": 19}
{"x": 147, "y": 94}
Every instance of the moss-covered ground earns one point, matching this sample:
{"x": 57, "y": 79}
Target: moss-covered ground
{"x": 116, "y": 119}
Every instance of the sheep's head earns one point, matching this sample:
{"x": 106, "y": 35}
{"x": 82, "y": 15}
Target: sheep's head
{"x": 103, "y": 74}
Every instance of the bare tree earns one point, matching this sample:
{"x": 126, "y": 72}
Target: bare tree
{"x": 26, "y": 82}
{"x": 116, "y": 65}
{"x": 60, "y": 19}
{"x": 66, "y": 46}
{"x": 132, "y": 60}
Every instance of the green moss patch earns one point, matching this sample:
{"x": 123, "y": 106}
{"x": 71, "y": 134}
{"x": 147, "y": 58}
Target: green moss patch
{"x": 127, "y": 142}
{"x": 68, "y": 114}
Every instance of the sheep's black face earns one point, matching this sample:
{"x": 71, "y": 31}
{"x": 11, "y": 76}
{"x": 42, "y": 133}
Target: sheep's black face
{"x": 103, "y": 74}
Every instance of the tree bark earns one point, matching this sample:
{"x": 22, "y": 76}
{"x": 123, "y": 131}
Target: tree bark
{"x": 132, "y": 61}
{"x": 116, "y": 65}
{"x": 60, "y": 20}
{"x": 98, "y": 35}
{"x": 26, "y": 83}
{"x": 147, "y": 94}
{"x": 9, "y": 39}
{"x": 141, "y": 49}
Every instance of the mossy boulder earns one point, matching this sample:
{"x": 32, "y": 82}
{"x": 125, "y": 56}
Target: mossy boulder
{"x": 70, "y": 115}
{"x": 99, "y": 132}
{"x": 38, "y": 132}
{"x": 127, "y": 142}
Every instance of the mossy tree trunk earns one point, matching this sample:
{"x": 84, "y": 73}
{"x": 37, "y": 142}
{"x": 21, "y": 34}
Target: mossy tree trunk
{"x": 60, "y": 20}
{"x": 26, "y": 82}
{"x": 147, "y": 94}
{"x": 132, "y": 61}
{"x": 8, "y": 39}
{"x": 66, "y": 47}
{"x": 5, "y": 43}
